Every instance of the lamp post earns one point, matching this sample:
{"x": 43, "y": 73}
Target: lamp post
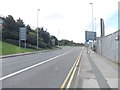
{"x": 58, "y": 38}
{"x": 92, "y": 17}
{"x": 95, "y": 29}
{"x": 92, "y": 24}
{"x": 37, "y": 29}
{"x": 95, "y": 25}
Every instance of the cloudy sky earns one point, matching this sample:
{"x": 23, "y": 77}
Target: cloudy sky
{"x": 66, "y": 19}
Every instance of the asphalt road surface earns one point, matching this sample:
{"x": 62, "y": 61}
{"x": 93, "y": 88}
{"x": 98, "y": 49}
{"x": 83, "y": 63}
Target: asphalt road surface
{"x": 40, "y": 70}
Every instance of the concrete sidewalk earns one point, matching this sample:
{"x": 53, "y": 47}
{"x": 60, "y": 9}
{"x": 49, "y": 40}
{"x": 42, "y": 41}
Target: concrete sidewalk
{"x": 96, "y": 71}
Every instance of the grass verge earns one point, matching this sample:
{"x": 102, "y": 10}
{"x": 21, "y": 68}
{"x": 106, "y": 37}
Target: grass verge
{"x": 7, "y": 48}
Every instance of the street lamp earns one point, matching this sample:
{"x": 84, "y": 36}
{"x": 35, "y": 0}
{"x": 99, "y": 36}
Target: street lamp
{"x": 92, "y": 17}
{"x": 95, "y": 25}
{"x": 92, "y": 23}
{"x": 37, "y": 28}
{"x": 58, "y": 37}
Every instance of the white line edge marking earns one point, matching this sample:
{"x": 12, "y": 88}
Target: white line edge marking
{"x": 27, "y": 68}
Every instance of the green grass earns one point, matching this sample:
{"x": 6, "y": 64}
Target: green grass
{"x": 7, "y": 48}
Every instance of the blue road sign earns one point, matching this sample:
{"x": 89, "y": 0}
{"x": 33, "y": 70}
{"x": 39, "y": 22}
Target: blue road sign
{"x": 89, "y": 35}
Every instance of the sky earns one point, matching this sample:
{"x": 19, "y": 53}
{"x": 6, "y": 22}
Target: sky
{"x": 65, "y": 19}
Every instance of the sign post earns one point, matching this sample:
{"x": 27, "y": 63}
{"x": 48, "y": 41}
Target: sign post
{"x": 90, "y": 35}
{"x": 22, "y": 35}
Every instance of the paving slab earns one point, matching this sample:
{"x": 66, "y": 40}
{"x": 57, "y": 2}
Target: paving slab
{"x": 97, "y": 71}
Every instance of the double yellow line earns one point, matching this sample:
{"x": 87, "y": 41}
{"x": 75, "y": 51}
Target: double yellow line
{"x": 67, "y": 82}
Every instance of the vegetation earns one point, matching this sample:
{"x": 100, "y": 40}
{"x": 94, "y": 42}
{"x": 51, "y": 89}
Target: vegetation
{"x": 10, "y": 33}
{"x": 64, "y": 42}
{"x": 12, "y": 49}
{"x": 54, "y": 42}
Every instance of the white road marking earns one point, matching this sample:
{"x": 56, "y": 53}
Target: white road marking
{"x": 27, "y": 68}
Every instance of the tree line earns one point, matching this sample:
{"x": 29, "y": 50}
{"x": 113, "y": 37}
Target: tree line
{"x": 65, "y": 42}
{"x": 10, "y": 33}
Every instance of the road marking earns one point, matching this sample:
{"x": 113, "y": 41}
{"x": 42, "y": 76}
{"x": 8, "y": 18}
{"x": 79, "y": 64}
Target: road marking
{"x": 75, "y": 68}
{"x": 71, "y": 73}
{"x": 27, "y": 68}
{"x": 79, "y": 68}
{"x": 71, "y": 78}
{"x": 65, "y": 81}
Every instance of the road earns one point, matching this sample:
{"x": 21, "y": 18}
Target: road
{"x": 40, "y": 70}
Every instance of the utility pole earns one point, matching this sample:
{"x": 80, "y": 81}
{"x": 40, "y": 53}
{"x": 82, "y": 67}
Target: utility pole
{"x": 92, "y": 22}
{"x": 92, "y": 17}
{"x": 95, "y": 24}
{"x": 58, "y": 37}
{"x": 37, "y": 30}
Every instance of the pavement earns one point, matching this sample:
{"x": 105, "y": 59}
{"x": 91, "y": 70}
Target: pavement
{"x": 96, "y": 71}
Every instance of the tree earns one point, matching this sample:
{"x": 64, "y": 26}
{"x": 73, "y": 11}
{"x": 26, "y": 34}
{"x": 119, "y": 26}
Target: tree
{"x": 45, "y": 36}
{"x": 10, "y": 33}
{"x": 65, "y": 42}
{"x": 9, "y": 23}
{"x": 28, "y": 28}
{"x": 11, "y": 28}
{"x": 20, "y": 23}
{"x": 56, "y": 40}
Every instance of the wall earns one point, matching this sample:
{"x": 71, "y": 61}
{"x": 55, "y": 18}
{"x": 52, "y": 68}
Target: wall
{"x": 108, "y": 46}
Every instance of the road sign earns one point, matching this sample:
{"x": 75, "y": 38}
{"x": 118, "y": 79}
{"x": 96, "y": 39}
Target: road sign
{"x": 22, "y": 33}
{"x": 89, "y": 35}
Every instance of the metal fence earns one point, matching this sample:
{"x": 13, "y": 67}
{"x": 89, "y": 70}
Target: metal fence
{"x": 109, "y": 46}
